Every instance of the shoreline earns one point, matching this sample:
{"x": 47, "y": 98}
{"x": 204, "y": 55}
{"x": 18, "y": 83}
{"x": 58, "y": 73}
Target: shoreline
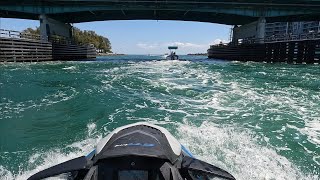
{"x": 109, "y": 54}
{"x": 198, "y": 54}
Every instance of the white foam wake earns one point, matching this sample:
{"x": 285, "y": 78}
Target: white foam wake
{"x": 42, "y": 160}
{"x": 228, "y": 148}
{"x": 238, "y": 152}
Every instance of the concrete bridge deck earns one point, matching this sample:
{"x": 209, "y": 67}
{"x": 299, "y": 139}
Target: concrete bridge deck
{"x": 232, "y": 12}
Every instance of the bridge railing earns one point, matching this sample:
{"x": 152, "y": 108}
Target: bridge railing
{"x": 281, "y": 38}
{"x": 289, "y": 37}
{"x": 53, "y": 38}
{"x": 19, "y": 35}
{"x": 274, "y": 38}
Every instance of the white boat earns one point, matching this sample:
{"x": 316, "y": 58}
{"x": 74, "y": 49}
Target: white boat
{"x": 172, "y": 55}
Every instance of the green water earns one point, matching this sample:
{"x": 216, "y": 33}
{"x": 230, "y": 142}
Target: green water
{"x": 258, "y": 121}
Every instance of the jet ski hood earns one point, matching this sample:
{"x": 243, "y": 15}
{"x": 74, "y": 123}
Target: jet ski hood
{"x": 136, "y": 151}
{"x": 139, "y": 139}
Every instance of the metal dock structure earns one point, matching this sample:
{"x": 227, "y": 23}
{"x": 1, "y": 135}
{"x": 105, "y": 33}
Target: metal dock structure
{"x": 296, "y": 50}
{"x": 19, "y": 47}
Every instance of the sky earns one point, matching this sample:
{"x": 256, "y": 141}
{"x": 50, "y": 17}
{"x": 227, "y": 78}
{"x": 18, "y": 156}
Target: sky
{"x": 146, "y": 36}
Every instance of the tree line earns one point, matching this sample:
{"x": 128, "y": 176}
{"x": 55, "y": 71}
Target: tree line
{"x": 82, "y": 37}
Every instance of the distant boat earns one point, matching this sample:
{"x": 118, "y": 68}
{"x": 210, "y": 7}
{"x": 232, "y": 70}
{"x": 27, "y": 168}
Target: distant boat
{"x": 172, "y": 55}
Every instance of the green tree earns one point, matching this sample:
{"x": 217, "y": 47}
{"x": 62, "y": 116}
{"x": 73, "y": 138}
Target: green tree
{"x": 32, "y": 31}
{"x": 80, "y": 37}
{"x": 90, "y": 37}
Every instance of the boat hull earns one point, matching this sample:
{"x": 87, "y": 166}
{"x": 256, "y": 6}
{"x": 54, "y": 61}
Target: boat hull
{"x": 172, "y": 57}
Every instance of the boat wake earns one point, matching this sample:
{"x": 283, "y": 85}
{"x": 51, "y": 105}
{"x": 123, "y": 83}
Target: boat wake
{"x": 239, "y": 152}
{"x": 256, "y": 121}
{"x": 44, "y": 159}
{"x": 225, "y": 147}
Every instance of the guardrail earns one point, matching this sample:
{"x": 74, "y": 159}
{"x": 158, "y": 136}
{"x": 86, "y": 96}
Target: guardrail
{"x": 19, "y": 35}
{"x": 54, "y": 38}
{"x": 273, "y": 39}
{"x": 289, "y": 37}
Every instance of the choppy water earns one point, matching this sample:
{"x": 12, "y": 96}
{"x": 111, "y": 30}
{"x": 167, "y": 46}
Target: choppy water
{"x": 258, "y": 121}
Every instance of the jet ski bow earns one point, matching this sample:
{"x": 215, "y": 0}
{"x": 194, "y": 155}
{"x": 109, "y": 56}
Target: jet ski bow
{"x": 139, "y": 151}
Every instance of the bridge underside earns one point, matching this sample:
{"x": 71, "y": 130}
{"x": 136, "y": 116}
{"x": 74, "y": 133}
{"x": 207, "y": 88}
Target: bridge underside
{"x": 231, "y": 12}
{"x": 78, "y": 17}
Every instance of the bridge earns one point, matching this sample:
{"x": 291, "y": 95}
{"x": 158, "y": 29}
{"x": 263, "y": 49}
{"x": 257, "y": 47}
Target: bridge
{"x": 56, "y": 15}
{"x": 230, "y": 12}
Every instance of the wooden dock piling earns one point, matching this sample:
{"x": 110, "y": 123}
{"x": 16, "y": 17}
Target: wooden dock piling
{"x": 23, "y": 50}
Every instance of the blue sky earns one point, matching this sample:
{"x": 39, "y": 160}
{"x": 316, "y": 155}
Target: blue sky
{"x": 146, "y": 36}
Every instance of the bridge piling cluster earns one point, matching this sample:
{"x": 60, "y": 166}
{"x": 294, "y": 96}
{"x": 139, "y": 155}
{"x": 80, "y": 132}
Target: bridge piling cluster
{"x": 307, "y": 51}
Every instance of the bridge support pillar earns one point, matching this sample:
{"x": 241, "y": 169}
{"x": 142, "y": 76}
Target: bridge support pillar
{"x": 254, "y": 30}
{"x": 50, "y": 27}
{"x": 261, "y": 30}
{"x": 234, "y": 35}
